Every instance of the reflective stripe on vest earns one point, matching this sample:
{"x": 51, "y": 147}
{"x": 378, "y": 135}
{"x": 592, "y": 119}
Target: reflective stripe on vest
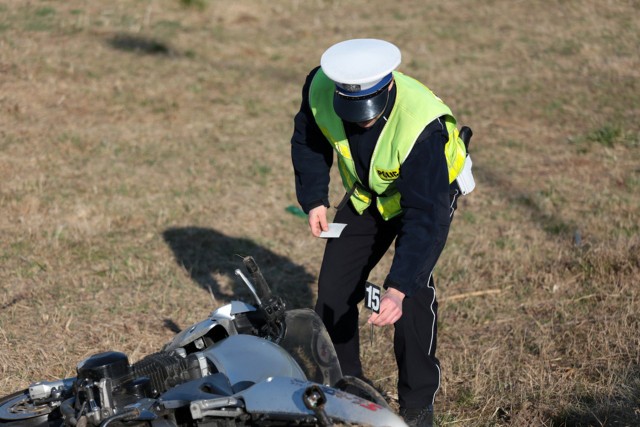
{"x": 415, "y": 107}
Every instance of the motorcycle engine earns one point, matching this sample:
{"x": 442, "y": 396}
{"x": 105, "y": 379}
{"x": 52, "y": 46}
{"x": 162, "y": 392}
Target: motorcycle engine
{"x": 106, "y": 382}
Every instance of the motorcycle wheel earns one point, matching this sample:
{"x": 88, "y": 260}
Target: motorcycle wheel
{"x": 17, "y": 410}
{"x": 360, "y": 388}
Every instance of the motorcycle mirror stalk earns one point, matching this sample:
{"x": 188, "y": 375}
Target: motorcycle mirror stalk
{"x": 246, "y": 281}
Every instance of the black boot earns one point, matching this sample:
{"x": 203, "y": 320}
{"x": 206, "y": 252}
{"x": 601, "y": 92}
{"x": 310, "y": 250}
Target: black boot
{"x": 418, "y": 417}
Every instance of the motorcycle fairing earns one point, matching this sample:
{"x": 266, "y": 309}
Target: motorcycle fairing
{"x": 340, "y": 406}
{"x": 246, "y": 359}
{"x": 222, "y": 317}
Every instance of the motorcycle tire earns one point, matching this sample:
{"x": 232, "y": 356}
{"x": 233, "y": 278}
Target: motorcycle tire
{"x": 16, "y": 410}
{"x": 360, "y": 388}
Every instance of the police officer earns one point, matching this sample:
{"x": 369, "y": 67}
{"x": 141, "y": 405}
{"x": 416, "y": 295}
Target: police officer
{"x": 398, "y": 154}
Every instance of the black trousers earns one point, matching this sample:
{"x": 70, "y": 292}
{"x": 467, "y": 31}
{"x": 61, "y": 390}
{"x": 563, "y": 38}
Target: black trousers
{"x": 346, "y": 265}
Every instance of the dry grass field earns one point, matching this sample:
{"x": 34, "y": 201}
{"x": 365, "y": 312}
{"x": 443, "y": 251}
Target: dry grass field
{"x": 144, "y": 143}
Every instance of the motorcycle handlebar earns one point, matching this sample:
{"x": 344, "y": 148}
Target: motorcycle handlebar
{"x": 262, "y": 288}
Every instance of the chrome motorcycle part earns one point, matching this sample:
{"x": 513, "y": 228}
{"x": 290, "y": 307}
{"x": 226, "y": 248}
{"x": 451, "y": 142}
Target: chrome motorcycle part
{"x": 44, "y": 389}
{"x": 203, "y": 365}
{"x": 210, "y": 387}
{"x": 246, "y": 281}
{"x": 106, "y": 399}
{"x": 220, "y": 407}
{"x": 18, "y": 409}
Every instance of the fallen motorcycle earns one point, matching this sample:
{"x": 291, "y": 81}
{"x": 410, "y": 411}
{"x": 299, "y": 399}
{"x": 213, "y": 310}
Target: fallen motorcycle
{"x": 244, "y": 365}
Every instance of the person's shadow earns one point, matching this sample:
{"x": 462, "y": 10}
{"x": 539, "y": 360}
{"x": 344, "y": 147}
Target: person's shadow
{"x": 211, "y": 259}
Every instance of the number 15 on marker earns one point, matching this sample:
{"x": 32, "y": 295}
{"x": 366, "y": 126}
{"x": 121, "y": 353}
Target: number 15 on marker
{"x": 372, "y": 297}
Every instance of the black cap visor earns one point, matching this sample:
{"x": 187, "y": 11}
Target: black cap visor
{"x": 360, "y": 109}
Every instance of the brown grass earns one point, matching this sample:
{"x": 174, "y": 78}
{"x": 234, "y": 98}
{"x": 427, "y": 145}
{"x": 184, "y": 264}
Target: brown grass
{"x": 143, "y": 144}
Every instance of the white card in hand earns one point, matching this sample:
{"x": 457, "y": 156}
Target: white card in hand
{"x": 335, "y": 229}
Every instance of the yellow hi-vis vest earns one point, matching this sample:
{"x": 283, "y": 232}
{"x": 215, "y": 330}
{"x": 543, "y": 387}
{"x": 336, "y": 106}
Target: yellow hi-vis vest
{"x": 415, "y": 107}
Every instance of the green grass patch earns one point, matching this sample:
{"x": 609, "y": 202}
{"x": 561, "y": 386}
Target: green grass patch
{"x": 606, "y": 135}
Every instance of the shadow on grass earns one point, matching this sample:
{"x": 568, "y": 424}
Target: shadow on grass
{"x": 618, "y": 416}
{"x": 139, "y": 44}
{"x": 211, "y": 259}
{"x": 621, "y": 411}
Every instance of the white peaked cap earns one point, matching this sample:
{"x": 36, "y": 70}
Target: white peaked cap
{"x": 363, "y": 62}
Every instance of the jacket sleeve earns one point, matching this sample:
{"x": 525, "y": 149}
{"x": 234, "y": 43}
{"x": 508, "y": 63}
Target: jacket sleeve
{"x": 424, "y": 226}
{"x": 311, "y": 154}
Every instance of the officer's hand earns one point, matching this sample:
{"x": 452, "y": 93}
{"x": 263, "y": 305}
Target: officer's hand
{"x": 318, "y": 220}
{"x": 390, "y": 308}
